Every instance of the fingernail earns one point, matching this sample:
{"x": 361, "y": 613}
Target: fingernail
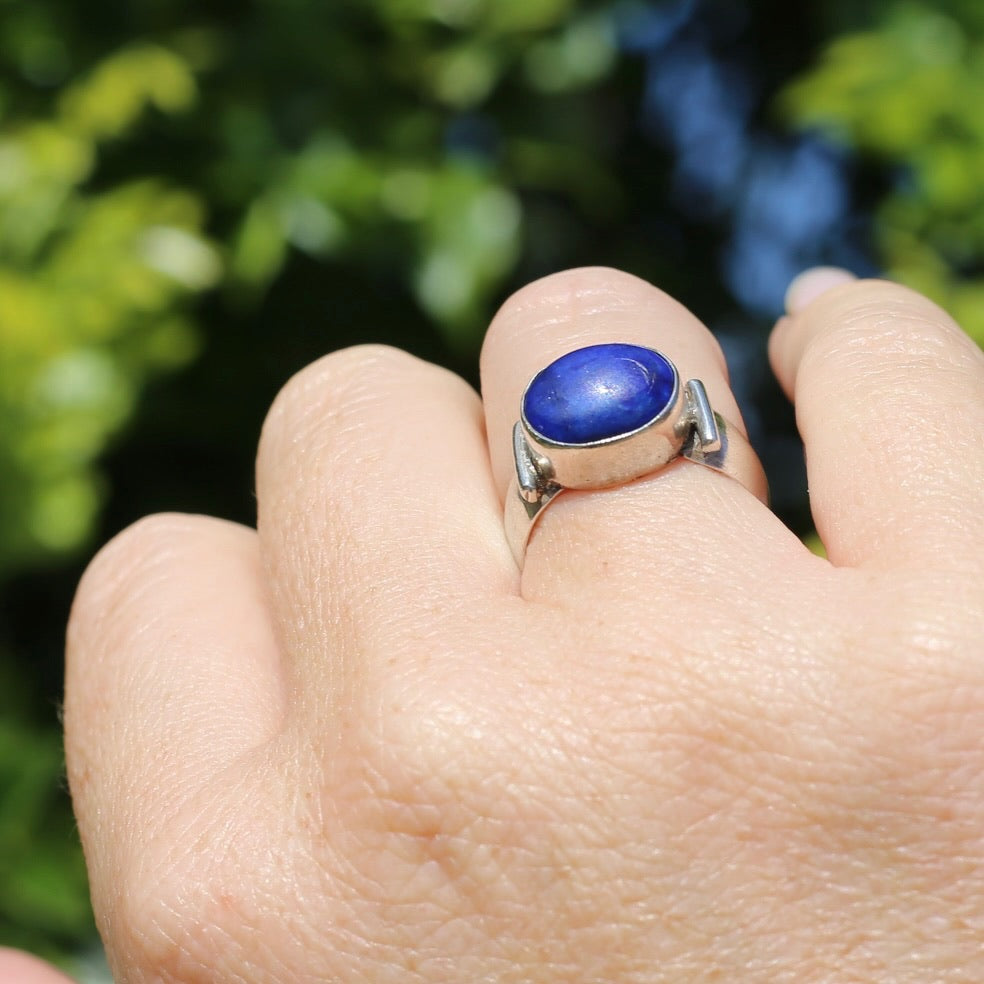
{"x": 810, "y": 284}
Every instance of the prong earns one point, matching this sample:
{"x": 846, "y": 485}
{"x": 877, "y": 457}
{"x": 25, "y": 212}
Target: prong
{"x": 700, "y": 413}
{"x": 532, "y": 470}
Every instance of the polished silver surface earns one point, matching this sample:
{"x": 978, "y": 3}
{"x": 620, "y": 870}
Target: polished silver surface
{"x": 687, "y": 428}
{"x": 609, "y": 462}
{"x": 699, "y": 414}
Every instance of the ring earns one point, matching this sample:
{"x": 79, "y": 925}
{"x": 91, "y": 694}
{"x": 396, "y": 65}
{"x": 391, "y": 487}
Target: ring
{"x": 607, "y": 414}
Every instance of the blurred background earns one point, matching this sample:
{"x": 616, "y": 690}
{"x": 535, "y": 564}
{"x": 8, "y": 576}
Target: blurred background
{"x": 198, "y": 197}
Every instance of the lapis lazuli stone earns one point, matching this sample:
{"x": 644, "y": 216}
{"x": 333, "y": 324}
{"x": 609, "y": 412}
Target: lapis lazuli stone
{"x": 597, "y": 393}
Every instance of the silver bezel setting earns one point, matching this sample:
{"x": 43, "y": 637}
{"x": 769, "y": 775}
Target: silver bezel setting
{"x": 687, "y": 428}
{"x": 542, "y": 464}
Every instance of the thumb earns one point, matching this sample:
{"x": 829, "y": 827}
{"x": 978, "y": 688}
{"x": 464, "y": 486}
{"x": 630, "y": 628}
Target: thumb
{"x": 22, "y": 968}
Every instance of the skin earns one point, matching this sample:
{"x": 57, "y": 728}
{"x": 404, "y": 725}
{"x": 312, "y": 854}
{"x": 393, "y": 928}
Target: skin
{"x": 20, "y": 968}
{"x": 358, "y": 745}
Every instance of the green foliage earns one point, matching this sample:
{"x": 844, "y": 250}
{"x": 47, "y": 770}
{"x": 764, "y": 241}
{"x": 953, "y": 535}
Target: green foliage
{"x": 454, "y": 211}
{"x": 92, "y": 291}
{"x": 315, "y": 128}
{"x": 910, "y": 92}
{"x": 43, "y": 899}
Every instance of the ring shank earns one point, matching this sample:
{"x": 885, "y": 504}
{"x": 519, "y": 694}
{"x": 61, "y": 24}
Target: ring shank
{"x": 735, "y": 458}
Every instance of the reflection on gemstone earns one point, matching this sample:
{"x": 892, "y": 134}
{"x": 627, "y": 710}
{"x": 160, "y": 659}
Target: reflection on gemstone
{"x": 598, "y": 393}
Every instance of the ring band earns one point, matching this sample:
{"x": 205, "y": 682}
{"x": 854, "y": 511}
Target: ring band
{"x": 607, "y": 414}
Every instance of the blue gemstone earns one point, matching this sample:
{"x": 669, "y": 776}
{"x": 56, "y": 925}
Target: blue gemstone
{"x": 597, "y": 393}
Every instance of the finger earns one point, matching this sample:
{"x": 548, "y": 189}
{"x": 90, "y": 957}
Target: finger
{"x": 21, "y": 968}
{"x": 172, "y": 676}
{"x": 584, "y": 532}
{"x": 377, "y": 512}
{"x": 889, "y": 396}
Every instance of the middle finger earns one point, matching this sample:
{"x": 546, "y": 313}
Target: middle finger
{"x": 378, "y": 519}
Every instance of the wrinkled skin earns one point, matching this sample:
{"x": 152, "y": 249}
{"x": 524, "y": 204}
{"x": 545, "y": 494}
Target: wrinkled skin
{"x": 358, "y": 745}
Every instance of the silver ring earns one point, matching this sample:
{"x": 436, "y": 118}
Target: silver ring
{"x": 607, "y": 414}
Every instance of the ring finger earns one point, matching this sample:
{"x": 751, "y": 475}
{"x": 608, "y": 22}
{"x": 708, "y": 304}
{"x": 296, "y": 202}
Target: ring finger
{"x": 590, "y": 537}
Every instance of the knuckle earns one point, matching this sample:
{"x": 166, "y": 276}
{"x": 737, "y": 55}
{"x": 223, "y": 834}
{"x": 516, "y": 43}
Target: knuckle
{"x": 579, "y": 296}
{"x": 875, "y": 323}
{"x": 334, "y": 389}
{"x": 570, "y": 297}
{"x": 132, "y": 562}
{"x": 575, "y": 283}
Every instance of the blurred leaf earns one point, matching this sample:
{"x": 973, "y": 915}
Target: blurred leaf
{"x": 113, "y": 97}
{"x": 470, "y": 239}
{"x": 43, "y": 887}
{"x": 909, "y": 92}
{"x": 581, "y": 54}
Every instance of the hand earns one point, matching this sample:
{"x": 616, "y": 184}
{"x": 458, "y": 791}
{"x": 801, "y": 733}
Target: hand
{"x": 358, "y": 745}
